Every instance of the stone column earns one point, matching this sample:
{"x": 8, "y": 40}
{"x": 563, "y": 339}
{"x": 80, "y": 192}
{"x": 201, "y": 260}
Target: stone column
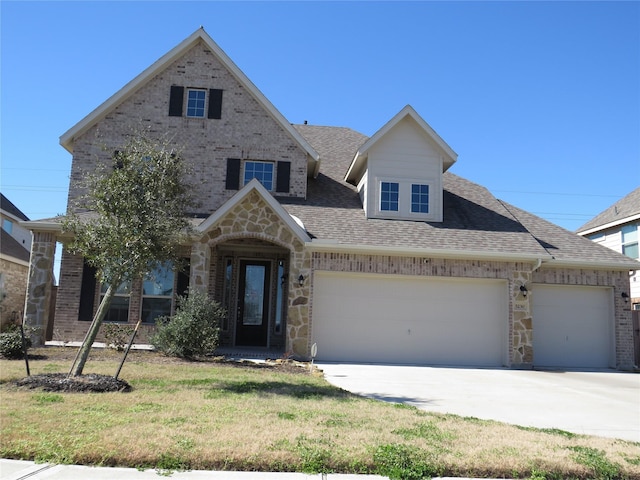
{"x": 298, "y": 328}
{"x": 39, "y": 284}
{"x": 522, "y": 332}
{"x": 200, "y": 260}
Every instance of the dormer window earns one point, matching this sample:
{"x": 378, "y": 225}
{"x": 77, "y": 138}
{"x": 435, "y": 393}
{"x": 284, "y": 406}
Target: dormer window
{"x": 419, "y": 198}
{"x": 389, "y": 196}
{"x": 406, "y": 199}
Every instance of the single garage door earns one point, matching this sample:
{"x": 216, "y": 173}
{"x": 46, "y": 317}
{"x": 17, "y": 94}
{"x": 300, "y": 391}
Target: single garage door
{"x": 572, "y": 326}
{"x": 409, "y": 319}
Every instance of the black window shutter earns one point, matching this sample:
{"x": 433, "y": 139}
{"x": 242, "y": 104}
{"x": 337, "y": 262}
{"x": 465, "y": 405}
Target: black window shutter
{"x": 233, "y": 174}
{"x": 87, "y": 293}
{"x": 182, "y": 285}
{"x": 215, "y": 103}
{"x": 283, "y": 176}
{"x": 175, "y": 101}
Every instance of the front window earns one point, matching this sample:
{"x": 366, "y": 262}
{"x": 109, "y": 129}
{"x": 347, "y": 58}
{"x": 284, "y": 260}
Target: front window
{"x": 263, "y": 171}
{"x": 195, "y": 103}
{"x": 630, "y": 241}
{"x": 119, "y": 308}
{"x": 419, "y": 198}
{"x": 157, "y": 293}
{"x": 389, "y": 196}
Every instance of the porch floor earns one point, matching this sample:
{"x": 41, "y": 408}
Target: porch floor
{"x": 249, "y": 353}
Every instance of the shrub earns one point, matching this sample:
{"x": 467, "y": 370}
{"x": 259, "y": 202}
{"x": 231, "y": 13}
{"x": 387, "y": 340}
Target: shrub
{"x": 11, "y": 343}
{"x": 117, "y": 335}
{"x": 193, "y": 330}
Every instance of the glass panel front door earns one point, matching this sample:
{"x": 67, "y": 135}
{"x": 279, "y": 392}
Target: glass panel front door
{"x": 253, "y": 303}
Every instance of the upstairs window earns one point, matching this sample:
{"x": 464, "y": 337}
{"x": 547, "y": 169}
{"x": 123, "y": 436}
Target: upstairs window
{"x": 407, "y": 199}
{"x": 630, "y": 241}
{"x": 263, "y": 171}
{"x": 200, "y": 102}
{"x": 195, "y": 103}
{"x": 389, "y": 196}
{"x": 419, "y": 198}
{"x": 7, "y": 226}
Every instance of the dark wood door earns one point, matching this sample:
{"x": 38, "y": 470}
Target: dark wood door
{"x": 253, "y": 303}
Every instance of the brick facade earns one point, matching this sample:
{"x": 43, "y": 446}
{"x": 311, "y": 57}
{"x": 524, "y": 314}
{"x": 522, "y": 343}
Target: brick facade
{"x": 13, "y": 276}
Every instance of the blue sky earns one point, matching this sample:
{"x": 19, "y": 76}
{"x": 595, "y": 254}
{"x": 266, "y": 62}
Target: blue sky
{"x": 541, "y": 100}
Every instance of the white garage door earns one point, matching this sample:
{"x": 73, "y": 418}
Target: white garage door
{"x": 572, "y": 326}
{"x": 408, "y": 319}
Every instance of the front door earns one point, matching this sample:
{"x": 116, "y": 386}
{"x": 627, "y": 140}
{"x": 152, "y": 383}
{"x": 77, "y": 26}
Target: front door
{"x": 253, "y": 303}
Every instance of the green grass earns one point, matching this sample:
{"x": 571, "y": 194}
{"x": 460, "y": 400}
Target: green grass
{"x": 211, "y": 415}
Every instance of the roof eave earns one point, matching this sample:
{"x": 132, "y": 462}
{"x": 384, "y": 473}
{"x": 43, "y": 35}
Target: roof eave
{"x": 609, "y": 225}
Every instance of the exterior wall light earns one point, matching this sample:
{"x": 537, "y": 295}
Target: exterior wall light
{"x": 523, "y": 290}
{"x": 301, "y": 280}
{"x": 625, "y": 297}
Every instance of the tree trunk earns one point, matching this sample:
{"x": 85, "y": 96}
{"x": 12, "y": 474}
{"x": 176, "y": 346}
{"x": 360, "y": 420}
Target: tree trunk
{"x": 85, "y": 348}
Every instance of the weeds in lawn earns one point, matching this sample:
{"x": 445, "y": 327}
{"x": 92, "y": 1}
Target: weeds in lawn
{"x": 597, "y": 462}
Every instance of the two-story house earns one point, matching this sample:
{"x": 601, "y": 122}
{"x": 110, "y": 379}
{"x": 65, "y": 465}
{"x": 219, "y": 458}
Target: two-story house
{"x": 369, "y": 248}
{"x": 617, "y": 228}
{"x": 14, "y": 261}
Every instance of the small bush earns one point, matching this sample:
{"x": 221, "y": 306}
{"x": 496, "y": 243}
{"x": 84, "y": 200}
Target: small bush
{"x": 117, "y": 335}
{"x": 11, "y": 343}
{"x": 193, "y": 330}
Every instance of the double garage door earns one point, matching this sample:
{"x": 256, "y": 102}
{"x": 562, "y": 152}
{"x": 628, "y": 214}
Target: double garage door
{"x": 572, "y": 326}
{"x": 463, "y": 322}
{"x": 408, "y": 319}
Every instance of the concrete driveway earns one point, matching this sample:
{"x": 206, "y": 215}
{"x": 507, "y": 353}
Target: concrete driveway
{"x": 603, "y": 403}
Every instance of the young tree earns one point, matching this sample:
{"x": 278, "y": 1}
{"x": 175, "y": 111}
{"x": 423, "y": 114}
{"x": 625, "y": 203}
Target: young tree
{"x": 136, "y": 217}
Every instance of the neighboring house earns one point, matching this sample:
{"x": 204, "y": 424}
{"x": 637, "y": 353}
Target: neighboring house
{"x": 617, "y": 228}
{"x": 367, "y": 247}
{"x": 14, "y": 261}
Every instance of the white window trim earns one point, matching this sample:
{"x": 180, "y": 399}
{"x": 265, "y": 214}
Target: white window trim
{"x": 273, "y": 173}
{"x": 404, "y": 199}
{"x": 204, "y": 109}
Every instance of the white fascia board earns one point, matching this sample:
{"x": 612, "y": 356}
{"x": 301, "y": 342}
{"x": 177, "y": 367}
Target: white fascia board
{"x": 66, "y": 140}
{"x": 254, "y": 184}
{"x": 42, "y": 226}
{"x": 609, "y": 225}
{"x": 318, "y": 245}
{"x": 631, "y": 265}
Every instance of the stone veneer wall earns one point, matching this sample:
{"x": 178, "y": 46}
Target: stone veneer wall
{"x": 40, "y": 282}
{"x": 254, "y": 218}
{"x": 13, "y": 288}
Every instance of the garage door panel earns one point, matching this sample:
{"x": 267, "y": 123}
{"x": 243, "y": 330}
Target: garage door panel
{"x": 381, "y": 318}
{"x": 572, "y": 326}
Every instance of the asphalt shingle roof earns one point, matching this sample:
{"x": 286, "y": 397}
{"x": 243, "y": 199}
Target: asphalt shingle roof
{"x": 7, "y": 206}
{"x": 473, "y": 219}
{"x": 619, "y": 211}
{"x": 11, "y": 247}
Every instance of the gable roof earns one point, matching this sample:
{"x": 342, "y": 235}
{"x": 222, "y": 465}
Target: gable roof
{"x": 361, "y": 155}
{"x": 623, "y": 211}
{"x": 7, "y": 206}
{"x": 67, "y": 139}
{"x": 475, "y": 225}
{"x": 254, "y": 185}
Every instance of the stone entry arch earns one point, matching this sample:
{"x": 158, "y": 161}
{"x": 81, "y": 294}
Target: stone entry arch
{"x": 254, "y": 225}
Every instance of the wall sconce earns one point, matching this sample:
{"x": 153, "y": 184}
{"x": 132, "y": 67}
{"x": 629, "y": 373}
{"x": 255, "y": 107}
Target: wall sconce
{"x": 625, "y": 297}
{"x": 301, "y": 280}
{"x": 523, "y": 290}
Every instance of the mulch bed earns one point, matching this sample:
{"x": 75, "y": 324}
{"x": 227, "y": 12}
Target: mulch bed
{"x": 60, "y": 382}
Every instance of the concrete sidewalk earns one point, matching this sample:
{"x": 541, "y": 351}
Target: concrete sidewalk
{"x": 22, "y": 470}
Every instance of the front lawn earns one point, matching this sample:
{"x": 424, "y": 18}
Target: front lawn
{"x": 219, "y": 416}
